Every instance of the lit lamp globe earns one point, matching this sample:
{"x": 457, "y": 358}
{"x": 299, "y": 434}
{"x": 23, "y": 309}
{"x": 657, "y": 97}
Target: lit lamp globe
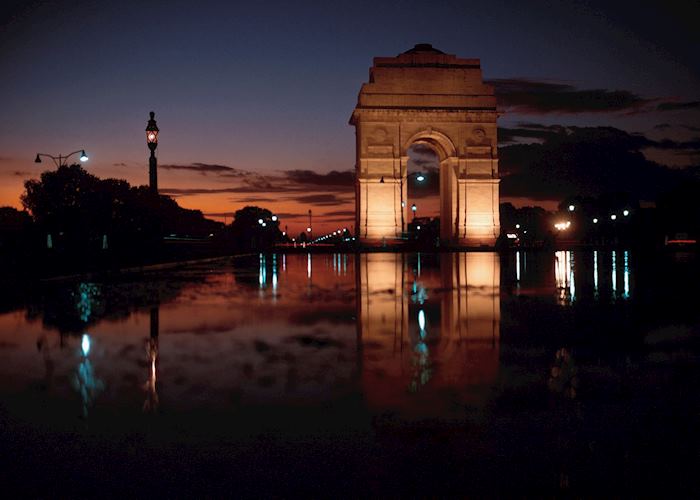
{"x": 152, "y": 133}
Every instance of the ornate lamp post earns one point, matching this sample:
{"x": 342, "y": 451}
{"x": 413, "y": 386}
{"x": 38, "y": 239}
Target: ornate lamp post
{"x": 61, "y": 160}
{"x": 152, "y": 141}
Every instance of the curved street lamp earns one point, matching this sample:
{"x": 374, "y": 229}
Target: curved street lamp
{"x": 61, "y": 160}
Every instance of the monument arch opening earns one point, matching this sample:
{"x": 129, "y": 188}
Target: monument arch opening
{"x": 425, "y": 97}
{"x": 423, "y": 192}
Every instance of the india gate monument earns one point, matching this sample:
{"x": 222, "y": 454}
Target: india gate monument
{"x": 427, "y": 97}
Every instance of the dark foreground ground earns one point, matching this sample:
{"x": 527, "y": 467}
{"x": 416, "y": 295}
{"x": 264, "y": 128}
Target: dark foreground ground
{"x": 527, "y": 443}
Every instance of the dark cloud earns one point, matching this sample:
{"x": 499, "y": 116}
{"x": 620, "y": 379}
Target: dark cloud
{"x": 193, "y": 191}
{"x": 679, "y": 146}
{"x": 205, "y": 168}
{"x": 528, "y": 131}
{"x": 525, "y": 132}
{"x": 121, "y": 164}
{"x": 321, "y": 199}
{"x": 340, "y": 213}
{"x": 678, "y": 106}
{"x": 522, "y": 95}
{"x": 587, "y": 161}
{"x": 422, "y": 157}
{"x": 254, "y": 199}
{"x": 334, "y": 178}
{"x": 21, "y": 173}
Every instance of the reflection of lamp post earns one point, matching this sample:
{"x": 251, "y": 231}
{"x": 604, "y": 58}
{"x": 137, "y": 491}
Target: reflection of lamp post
{"x": 151, "y": 402}
{"x": 152, "y": 141}
{"x": 61, "y": 160}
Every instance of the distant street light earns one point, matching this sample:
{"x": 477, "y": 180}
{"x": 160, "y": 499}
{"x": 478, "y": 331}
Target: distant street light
{"x": 562, "y": 226}
{"x": 274, "y": 218}
{"x": 625, "y": 213}
{"x": 420, "y": 177}
{"x": 572, "y": 208}
{"x": 152, "y": 142}
{"x": 414, "y": 209}
{"x": 595, "y": 220}
{"x": 613, "y": 217}
{"x": 260, "y": 221}
{"x": 61, "y": 160}
{"x": 517, "y": 226}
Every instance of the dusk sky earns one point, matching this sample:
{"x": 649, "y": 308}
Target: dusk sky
{"x": 253, "y": 98}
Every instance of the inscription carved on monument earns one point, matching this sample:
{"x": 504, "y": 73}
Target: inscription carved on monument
{"x": 425, "y": 96}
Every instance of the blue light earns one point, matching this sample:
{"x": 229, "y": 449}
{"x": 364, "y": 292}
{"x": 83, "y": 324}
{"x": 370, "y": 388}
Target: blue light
{"x": 85, "y": 344}
{"x": 421, "y": 319}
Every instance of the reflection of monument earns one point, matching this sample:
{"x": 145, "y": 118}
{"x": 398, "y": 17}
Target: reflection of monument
{"x": 427, "y": 97}
{"x": 428, "y": 333}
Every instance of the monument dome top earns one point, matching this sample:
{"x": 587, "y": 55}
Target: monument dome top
{"x": 423, "y": 48}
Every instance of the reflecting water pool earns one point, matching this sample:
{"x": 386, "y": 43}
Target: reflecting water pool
{"x": 381, "y": 373}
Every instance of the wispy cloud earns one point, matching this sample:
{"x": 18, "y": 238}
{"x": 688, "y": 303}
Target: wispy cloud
{"x": 205, "y": 168}
{"x": 678, "y": 106}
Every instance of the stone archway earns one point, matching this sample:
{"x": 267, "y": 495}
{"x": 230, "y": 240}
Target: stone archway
{"x": 425, "y": 96}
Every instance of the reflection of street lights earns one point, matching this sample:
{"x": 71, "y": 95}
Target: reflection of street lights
{"x": 152, "y": 141}
{"x": 61, "y": 160}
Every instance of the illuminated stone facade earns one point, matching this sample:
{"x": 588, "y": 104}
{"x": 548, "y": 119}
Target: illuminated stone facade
{"x": 424, "y": 96}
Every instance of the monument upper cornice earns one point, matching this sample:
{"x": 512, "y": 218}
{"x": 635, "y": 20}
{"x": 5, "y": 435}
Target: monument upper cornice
{"x": 424, "y": 55}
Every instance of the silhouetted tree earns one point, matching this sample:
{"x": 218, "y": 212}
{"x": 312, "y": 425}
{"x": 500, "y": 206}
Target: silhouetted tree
{"x": 82, "y": 211}
{"x": 247, "y": 232}
{"x": 16, "y": 229}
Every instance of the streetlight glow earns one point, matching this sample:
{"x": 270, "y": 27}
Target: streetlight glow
{"x": 260, "y": 221}
{"x": 420, "y": 177}
{"x": 274, "y": 218}
{"x": 613, "y": 217}
{"x": 62, "y": 160}
{"x": 625, "y": 213}
{"x": 595, "y": 220}
{"x": 572, "y": 208}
